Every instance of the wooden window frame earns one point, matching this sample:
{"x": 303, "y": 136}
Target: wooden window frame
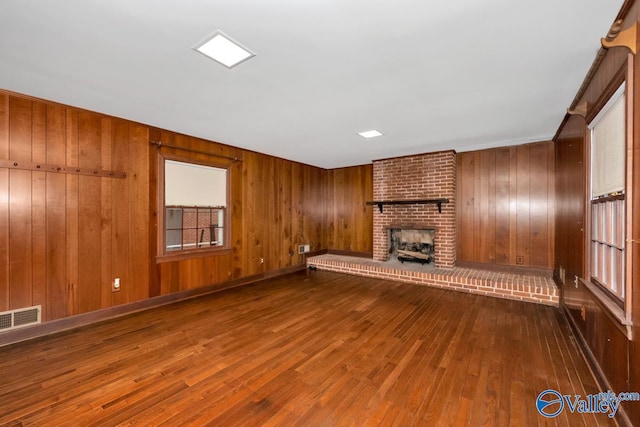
{"x": 163, "y": 254}
{"x": 620, "y": 308}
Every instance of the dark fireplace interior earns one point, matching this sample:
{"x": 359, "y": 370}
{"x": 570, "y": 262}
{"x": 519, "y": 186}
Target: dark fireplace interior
{"x": 411, "y": 245}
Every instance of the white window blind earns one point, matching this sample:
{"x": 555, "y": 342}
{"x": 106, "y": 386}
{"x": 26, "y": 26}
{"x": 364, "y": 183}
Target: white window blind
{"x": 608, "y": 149}
{"x": 188, "y": 184}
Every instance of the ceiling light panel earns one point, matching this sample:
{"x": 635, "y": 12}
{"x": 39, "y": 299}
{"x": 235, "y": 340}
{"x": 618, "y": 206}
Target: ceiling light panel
{"x": 370, "y": 134}
{"x": 224, "y": 50}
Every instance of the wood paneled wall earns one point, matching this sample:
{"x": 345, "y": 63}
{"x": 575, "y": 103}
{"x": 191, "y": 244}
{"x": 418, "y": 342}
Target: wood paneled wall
{"x": 349, "y": 219}
{"x": 283, "y": 207}
{"x": 505, "y": 206}
{"x": 607, "y": 347}
{"x": 607, "y": 342}
{"x": 570, "y": 199}
{"x": 63, "y": 237}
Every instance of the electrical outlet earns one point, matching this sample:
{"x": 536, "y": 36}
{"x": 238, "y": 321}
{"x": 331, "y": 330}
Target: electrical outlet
{"x": 261, "y": 260}
{"x": 519, "y": 260}
{"x": 303, "y": 249}
{"x": 115, "y": 285}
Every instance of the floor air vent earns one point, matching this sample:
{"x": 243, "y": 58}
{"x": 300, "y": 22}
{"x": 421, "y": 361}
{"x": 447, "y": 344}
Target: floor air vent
{"x": 17, "y": 318}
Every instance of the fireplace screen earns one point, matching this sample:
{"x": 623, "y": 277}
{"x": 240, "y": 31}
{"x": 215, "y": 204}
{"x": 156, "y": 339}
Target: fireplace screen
{"x": 411, "y": 245}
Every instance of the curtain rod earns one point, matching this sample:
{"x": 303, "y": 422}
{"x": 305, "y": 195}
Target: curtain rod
{"x": 160, "y": 144}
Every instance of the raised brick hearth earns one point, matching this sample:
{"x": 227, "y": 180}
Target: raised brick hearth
{"x": 424, "y": 176}
{"x": 420, "y": 177}
{"x": 524, "y": 287}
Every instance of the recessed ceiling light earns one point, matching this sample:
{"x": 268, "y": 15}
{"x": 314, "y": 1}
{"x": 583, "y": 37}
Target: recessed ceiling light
{"x": 370, "y": 134}
{"x": 223, "y": 49}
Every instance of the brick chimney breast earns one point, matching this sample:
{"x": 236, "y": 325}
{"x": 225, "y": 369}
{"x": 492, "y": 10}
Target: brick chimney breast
{"x": 424, "y": 176}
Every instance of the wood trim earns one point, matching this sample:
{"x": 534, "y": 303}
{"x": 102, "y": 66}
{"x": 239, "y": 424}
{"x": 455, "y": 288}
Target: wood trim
{"x": 624, "y": 75}
{"x": 627, "y": 38}
{"x": 580, "y": 110}
{"x": 588, "y": 111}
{"x": 624, "y": 10}
{"x": 594, "y": 367}
{"x": 160, "y": 144}
{"x": 620, "y": 77}
{"x": 631, "y": 142}
{"x": 161, "y": 254}
{"x": 613, "y": 311}
{"x": 80, "y": 320}
{"x": 43, "y": 167}
{"x": 193, "y": 253}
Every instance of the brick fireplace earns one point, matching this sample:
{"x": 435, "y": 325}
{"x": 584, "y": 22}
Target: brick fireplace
{"x": 420, "y": 177}
{"x": 424, "y": 176}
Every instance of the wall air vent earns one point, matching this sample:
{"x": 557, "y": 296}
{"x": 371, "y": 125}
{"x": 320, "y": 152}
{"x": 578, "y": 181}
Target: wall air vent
{"x": 13, "y": 319}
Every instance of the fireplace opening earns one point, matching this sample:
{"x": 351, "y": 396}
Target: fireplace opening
{"x": 411, "y": 245}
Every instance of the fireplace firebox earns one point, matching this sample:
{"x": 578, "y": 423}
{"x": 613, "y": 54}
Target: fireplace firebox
{"x": 412, "y": 245}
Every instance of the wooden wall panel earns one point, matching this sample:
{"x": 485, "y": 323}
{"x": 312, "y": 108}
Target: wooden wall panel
{"x": 38, "y": 206}
{"x": 4, "y": 203}
{"x": 20, "y": 230}
{"x": 314, "y": 207}
{"x": 72, "y": 214}
{"x": 258, "y": 211}
{"x": 139, "y": 200}
{"x": 570, "y": 199}
{"x": 309, "y": 207}
{"x": 505, "y": 206}
{"x": 56, "y": 287}
{"x": 486, "y": 223}
{"x": 465, "y": 213}
{"x": 542, "y": 206}
{"x": 238, "y": 210}
{"x": 89, "y": 214}
{"x": 523, "y": 206}
{"x": 349, "y": 219}
{"x": 119, "y": 257}
{"x": 106, "y": 205}
{"x": 282, "y": 242}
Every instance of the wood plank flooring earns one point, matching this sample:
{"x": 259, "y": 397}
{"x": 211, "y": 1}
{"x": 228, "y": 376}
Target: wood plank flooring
{"x": 310, "y": 348}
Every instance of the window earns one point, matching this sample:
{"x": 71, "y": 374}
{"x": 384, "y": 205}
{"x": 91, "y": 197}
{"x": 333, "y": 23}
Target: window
{"x": 608, "y": 208}
{"x": 195, "y": 206}
{"x": 607, "y": 244}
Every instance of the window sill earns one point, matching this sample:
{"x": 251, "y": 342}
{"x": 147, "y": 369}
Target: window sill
{"x": 612, "y": 309}
{"x": 202, "y": 253}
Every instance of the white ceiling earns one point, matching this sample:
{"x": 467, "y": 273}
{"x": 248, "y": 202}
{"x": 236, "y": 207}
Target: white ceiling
{"x": 430, "y": 75}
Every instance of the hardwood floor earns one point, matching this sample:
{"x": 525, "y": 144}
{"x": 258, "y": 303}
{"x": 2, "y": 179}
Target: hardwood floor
{"x": 311, "y": 348}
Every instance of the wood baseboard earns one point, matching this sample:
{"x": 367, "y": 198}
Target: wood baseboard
{"x": 85, "y": 319}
